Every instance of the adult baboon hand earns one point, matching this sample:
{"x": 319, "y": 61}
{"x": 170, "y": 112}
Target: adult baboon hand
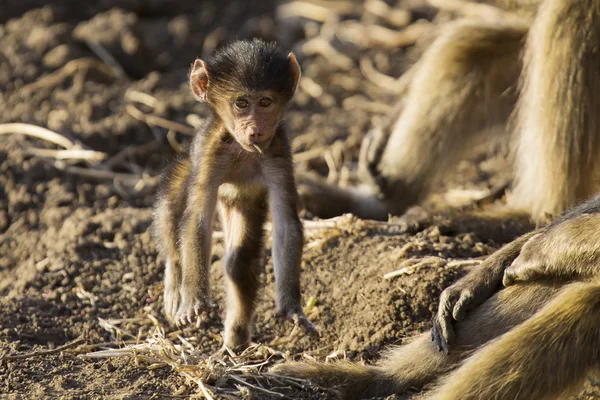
{"x": 455, "y": 301}
{"x": 530, "y": 264}
{"x": 471, "y": 291}
{"x": 568, "y": 249}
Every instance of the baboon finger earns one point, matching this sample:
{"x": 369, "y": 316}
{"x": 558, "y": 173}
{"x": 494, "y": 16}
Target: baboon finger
{"x": 462, "y": 305}
{"x": 521, "y": 272}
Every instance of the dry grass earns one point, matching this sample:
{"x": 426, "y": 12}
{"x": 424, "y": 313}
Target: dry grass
{"x": 225, "y": 374}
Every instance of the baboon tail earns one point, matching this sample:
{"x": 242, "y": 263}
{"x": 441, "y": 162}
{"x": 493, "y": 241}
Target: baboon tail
{"x": 354, "y": 381}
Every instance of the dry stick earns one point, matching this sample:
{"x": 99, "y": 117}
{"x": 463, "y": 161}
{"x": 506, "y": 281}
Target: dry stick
{"x": 57, "y": 77}
{"x": 141, "y": 97}
{"x": 70, "y": 154}
{"x": 409, "y": 267}
{"x": 426, "y": 261}
{"x": 173, "y": 142}
{"x": 478, "y": 10}
{"x": 398, "y": 86}
{"x": 243, "y": 382}
{"x": 158, "y": 121}
{"x": 308, "y": 155}
{"x": 397, "y": 17}
{"x": 376, "y": 36}
{"x": 315, "y": 12}
{"x": 108, "y": 58}
{"x": 43, "y": 352}
{"x": 320, "y": 45}
{"x": 87, "y": 347}
{"x": 131, "y": 179}
{"x": 131, "y": 151}
{"x": 38, "y": 132}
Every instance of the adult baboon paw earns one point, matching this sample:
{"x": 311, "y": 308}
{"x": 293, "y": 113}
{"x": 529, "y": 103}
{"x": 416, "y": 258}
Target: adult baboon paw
{"x": 521, "y": 271}
{"x": 529, "y": 265}
{"x": 455, "y": 301}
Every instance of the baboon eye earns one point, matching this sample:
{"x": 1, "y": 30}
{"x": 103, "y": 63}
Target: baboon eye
{"x": 265, "y": 102}
{"x": 241, "y": 102}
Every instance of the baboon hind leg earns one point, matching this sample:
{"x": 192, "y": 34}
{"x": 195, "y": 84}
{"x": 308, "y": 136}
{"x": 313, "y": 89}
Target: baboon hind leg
{"x": 466, "y": 81}
{"x": 558, "y": 123}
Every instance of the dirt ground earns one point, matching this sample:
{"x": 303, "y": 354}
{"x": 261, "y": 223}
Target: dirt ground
{"x": 78, "y": 267}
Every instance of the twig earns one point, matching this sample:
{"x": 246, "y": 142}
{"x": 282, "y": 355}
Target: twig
{"x": 312, "y": 88}
{"x": 320, "y": 45}
{"x": 397, "y": 17}
{"x": 479, "y": 10}
{"x": 316, "y": 12}
{"x": 202, "y": 387}
{"x": 175, "y": 145}
{"x": 131, "y": 179}
{"x": 376, "y": 36}
{"x": 358, "y": 101}
{"x": 384, "y": 81}
{"x": 243, "y": 382}
{"x": 108, "y": 58}
{"x": 44, "y": 352}
{"x": 131, "y": 151}
{"x": 38, "y": 132}
{"x": 141, "y": 97}
{"x": 71, "y": 154}
{"x": 158, "y": 121}
{"x": 409, "y": 267}
{"x": 86, "y": 348}
{"x": 315, "y": 152}
{"x": 55, "y": 78}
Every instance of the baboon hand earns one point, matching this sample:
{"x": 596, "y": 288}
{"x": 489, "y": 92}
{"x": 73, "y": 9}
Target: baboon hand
{"x": 457, "y": 300}
{"x": 299, "y": 320}
{"x": 533, "y": 261}
{"x": 371, "y": 150}
{"x": 454, "y": 303}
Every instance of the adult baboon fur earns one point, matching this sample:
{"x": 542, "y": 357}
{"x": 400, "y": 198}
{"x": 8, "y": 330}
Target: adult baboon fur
{"x": 537, "y": 338}
{"x": 543, "y": 71}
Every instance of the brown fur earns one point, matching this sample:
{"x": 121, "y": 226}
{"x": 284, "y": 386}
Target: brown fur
{"x": 466, "y": 81}
{"x": 240, "y": 163}
{"x": 535, "y": 339}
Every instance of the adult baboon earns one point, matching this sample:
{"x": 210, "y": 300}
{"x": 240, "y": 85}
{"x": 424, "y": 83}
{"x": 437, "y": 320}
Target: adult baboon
{"x": 545, "y": 72}
{"x": 537, "y": 338}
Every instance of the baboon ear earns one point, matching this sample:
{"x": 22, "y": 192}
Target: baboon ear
{"x": 295, "y": 70}
{"x": 199, "y": 80}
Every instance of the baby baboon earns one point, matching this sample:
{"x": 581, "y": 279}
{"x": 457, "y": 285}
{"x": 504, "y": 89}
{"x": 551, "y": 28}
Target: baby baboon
{"x": 537, "y": 338}
{"x": 473, "y": 77}
{"x": 240, "y": 162}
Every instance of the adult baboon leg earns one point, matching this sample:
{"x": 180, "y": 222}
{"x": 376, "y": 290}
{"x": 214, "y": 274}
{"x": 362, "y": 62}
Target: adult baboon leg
{"x": 418, "y": 363}
{"x": 465, "y": 82}
{"x": 558, "y": 123}
{"x": 546, "y": 357}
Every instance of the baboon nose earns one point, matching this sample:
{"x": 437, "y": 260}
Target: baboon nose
{"x": 254, "y": 134}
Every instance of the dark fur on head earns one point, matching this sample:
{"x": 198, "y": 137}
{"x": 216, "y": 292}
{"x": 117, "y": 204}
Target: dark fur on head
{"x": 252, "y": 66}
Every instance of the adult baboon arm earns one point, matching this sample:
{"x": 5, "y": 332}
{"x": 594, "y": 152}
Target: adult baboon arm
{"x": 471, "y": 291}
{"x": 418, "y": 363}
{"x": 546, "y": 357}
{"x": 568, "y": 249}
